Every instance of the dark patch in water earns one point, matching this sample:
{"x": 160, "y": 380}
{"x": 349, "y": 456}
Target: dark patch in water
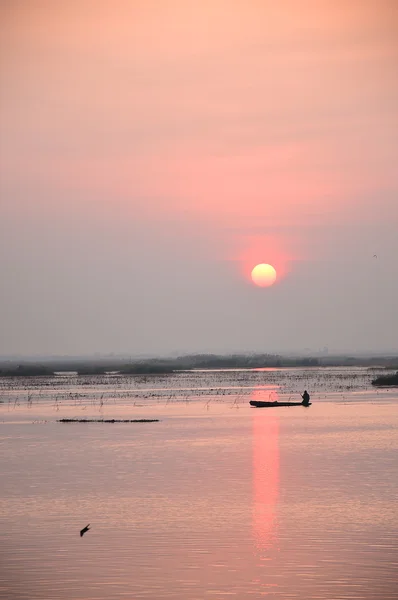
{"x": 107, "y": 420}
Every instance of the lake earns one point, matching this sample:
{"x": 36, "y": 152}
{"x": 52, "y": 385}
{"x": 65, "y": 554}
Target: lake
{"x": 215, "y": 500}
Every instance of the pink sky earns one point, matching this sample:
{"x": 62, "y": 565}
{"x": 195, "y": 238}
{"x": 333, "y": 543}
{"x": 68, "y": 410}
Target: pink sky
{"x": 248, "y": 131}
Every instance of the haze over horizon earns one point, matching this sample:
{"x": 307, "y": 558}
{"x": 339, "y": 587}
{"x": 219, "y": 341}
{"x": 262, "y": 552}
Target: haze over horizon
{"x": 151, "y": 154}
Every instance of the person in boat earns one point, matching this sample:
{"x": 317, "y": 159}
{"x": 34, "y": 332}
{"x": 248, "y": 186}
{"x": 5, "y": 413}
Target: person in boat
{"x": 306, "y": 398}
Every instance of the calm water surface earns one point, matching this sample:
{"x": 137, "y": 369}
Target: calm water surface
{"x": 216, "y": 500}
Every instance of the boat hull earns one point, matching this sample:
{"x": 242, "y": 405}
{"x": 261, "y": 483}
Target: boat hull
{"x": 262, "y": 404}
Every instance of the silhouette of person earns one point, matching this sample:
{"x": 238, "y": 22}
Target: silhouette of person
{"x": 306, "y": 398}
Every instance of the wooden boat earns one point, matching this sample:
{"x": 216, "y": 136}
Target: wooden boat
{"x": 262, "y": 404}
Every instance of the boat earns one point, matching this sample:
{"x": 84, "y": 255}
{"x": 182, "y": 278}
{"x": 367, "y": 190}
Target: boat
{"x": 262, "y": 404}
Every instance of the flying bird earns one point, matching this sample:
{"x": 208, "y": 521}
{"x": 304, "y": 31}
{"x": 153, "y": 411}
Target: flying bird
{"x": 374, "y": 255}
{"x": 84, "y": 530}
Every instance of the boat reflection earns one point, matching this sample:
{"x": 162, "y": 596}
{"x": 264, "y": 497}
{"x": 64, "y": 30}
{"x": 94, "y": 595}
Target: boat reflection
{"x": 265, "y": 475}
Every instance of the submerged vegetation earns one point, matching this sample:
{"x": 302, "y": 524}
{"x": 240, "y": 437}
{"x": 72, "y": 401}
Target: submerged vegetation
{"x": 101, "y": 392}
{"x": 108, "y": 420}
{"x": 386, "y": 380}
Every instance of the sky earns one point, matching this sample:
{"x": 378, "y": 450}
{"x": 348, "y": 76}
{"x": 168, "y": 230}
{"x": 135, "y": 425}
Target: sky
{"x": 152, "y": 153}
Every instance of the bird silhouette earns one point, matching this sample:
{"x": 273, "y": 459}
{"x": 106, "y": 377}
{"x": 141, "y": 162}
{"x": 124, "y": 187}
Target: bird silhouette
{"x": 84, "y": 530}
{"x": 374, "y": 255}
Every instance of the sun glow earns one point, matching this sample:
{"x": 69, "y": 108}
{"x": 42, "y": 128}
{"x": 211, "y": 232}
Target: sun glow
{"x": 263, "y": 275}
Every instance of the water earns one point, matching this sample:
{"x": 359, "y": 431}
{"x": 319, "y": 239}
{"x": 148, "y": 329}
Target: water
{"x": 216, "y": 500}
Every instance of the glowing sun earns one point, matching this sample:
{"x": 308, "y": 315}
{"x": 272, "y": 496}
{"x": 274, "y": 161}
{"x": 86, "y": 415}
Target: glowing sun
{"x": 263, "y": 275}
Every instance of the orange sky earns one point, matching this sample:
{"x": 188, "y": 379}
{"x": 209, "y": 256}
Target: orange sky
{"x": 265, "y": 125}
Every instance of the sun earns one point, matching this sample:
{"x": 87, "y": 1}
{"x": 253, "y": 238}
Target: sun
{"x": 263, "y": 275}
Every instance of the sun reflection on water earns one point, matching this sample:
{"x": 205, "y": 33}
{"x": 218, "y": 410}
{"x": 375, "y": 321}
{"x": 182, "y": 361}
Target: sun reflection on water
{"x": 265, "y": 478}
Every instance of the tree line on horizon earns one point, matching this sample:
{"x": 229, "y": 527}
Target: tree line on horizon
{"x": 164, "y": 366}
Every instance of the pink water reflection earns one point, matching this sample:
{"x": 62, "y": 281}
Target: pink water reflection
{"x": 265, "y": 477}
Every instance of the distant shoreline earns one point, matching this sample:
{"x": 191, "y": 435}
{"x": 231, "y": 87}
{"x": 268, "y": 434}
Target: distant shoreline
{"x": 166, "y": 366}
